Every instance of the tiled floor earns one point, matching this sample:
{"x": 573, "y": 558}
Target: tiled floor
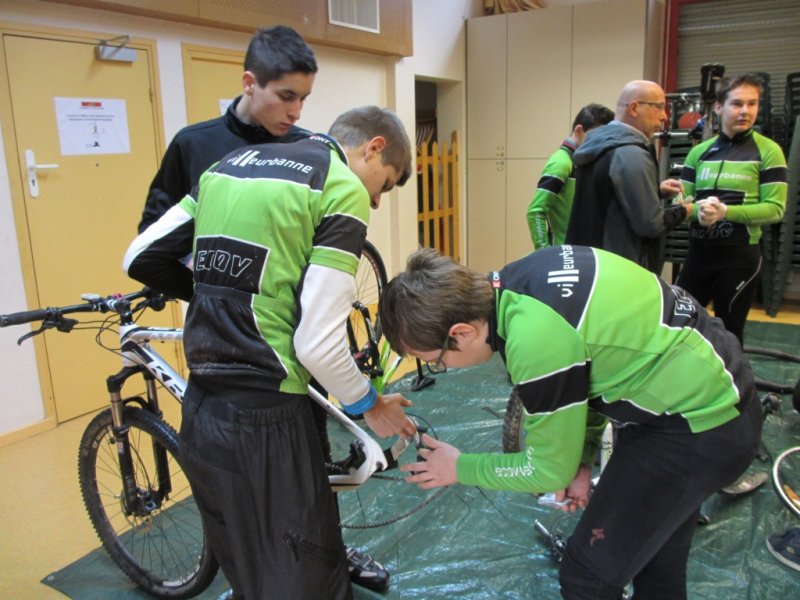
{"x": 44, "y": 525}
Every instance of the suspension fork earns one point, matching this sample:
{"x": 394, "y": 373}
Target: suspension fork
{"x": 134, "y": 501}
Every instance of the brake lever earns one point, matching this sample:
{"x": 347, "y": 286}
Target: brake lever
{"x": 62, "y": 324}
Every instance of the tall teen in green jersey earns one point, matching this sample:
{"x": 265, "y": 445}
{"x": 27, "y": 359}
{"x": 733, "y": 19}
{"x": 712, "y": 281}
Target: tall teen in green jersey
{"x": 586, "y": 335}
{"x": 740, "y": 180}
{"x": 275, "y": 232}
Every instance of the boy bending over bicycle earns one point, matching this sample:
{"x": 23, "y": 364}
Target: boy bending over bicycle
{"x": 277, "y": 231}
{"x": 587, "y": 334}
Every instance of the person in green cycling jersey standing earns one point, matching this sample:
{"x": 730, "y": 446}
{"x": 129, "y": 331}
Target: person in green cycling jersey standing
{"x": 548, "y": 213}
{"x": 739, "y": 180}
{"x": 585, "y": 336}
{"x": 277, "y": 231}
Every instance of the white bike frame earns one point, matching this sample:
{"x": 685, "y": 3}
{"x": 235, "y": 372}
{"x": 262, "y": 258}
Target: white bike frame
{"x": 137, "y": 351}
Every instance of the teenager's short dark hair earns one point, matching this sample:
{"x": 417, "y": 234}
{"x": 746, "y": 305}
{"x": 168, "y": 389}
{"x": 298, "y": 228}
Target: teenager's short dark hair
{"x": 275, "y": 51}
{"x": 726, "y": 84}
{"x": 593, "y": 115}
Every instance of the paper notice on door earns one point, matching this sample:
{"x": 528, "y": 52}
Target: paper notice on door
{"x": 92, "y": 126}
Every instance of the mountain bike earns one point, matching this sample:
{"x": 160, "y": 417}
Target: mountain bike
{"x": 132, "y": 483}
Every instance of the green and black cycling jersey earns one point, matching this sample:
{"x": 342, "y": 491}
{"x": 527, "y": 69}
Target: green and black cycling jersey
{"x": 548, "y": 212}
{"x": 748, "y": 173}
{"x": 263, "y": 214}
{"x": 275, "y": 231}
{"x": 586, "y": 334}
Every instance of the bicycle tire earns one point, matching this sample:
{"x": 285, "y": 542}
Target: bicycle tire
{"x": 370, "y": 280}
{"x": 513, "y": 431}
{"x": 161, "y": 549}
{"x": 786, "y": 479}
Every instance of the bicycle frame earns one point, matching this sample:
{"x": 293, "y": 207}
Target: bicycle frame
{"x": 366, "y": 456}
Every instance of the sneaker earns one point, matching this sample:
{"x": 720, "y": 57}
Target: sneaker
{"x": 786, "y": 547}
{"x": 749, "y": 482}
{"x": 366, "y": 571}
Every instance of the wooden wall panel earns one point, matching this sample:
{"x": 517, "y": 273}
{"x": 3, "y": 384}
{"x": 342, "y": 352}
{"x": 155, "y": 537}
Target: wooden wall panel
{"x": 308, "y": 17}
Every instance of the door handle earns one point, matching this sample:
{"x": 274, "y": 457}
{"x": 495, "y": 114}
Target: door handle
{"x": 32, "y": 167}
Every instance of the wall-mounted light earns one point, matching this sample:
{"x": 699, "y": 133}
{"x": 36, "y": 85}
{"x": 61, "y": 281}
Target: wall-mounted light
{"x": 117, "y": 52}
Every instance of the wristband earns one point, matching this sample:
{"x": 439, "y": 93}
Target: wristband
{"x": 361, "y": 406}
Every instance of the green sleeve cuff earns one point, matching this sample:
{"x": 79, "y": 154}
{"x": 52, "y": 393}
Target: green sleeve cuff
{"x": 467, "y": 469}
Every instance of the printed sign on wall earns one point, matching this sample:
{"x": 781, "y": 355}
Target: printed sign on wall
{"x": 92, "y": 126}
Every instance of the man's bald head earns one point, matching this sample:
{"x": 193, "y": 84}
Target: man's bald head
{"x": 641, "y": 104}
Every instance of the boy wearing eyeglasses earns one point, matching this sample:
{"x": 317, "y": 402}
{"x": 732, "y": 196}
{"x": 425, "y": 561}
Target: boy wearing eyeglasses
{"x": 587, "y": 335}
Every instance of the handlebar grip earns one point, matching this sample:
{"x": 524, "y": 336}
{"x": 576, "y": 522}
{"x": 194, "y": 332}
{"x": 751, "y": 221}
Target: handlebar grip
{"x": 27, "y": 316}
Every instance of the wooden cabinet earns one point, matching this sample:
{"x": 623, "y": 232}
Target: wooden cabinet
{"x": 528, "y": 73}
{"x": 486, "y": 87}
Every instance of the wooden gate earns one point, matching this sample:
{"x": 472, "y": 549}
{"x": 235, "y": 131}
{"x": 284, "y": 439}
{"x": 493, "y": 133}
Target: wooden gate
{"x": 437, "y": 201}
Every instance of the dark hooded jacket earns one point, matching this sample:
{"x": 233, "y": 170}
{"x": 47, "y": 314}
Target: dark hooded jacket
{"x": 617, "y": 205}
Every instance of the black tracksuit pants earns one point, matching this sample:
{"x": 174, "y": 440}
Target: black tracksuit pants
{"x": 259, "y": 480}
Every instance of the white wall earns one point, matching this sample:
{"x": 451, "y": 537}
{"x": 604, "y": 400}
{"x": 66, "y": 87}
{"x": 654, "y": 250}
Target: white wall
{"x": 20, "y": 392}
{"x": 345, "y": 79}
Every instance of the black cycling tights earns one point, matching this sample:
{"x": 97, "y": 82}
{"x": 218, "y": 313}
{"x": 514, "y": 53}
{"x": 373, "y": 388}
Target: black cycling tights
{"x": 726, "y": 276}
{"x": 639, "y": 523}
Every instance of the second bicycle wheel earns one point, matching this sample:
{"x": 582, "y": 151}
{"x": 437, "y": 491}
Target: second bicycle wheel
{"x": 786, "y": 479}
{"x": 370, "y": 281}
{"x": 158, "y": 541}
{"x": 370, "y": 277}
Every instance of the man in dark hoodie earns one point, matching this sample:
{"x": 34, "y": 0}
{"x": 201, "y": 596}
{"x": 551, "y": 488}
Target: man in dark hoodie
{"x": 618, "y": 204}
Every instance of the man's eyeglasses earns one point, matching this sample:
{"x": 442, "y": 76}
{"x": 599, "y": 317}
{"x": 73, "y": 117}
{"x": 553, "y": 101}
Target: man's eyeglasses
{"x": 436, "y": 367}
{"x": 658, "y": 105}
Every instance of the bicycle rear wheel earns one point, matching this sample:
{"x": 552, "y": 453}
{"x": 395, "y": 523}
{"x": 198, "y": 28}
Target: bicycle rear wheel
{"x": 370, "y": 280}
{"x": 158, "y": 543}
{"x": 370, "y": 277}
{"x": 786, "y": 479}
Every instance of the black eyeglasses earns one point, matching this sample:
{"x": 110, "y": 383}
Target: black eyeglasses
{"x": 437, "y": 366}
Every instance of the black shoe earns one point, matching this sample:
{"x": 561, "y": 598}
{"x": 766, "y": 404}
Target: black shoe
{"x": 366, "y": 571}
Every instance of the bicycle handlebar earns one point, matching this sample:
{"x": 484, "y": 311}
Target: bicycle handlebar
{"x": 117, "y": 303}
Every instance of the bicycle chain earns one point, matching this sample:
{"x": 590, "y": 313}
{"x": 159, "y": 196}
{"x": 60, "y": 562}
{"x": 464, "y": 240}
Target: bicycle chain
{"x": 417, "y": 508}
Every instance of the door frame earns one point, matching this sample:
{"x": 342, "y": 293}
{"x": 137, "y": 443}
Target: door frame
{"x": 192, "y": 52}
{"x": 17, "y": 178}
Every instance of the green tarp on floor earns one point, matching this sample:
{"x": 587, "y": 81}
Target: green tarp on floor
{"x": 470, "y": 544}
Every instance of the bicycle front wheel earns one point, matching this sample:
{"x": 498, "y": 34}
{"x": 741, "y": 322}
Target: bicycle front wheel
{"x": 786, "y": 479}
{"x": 157, "y": 538}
